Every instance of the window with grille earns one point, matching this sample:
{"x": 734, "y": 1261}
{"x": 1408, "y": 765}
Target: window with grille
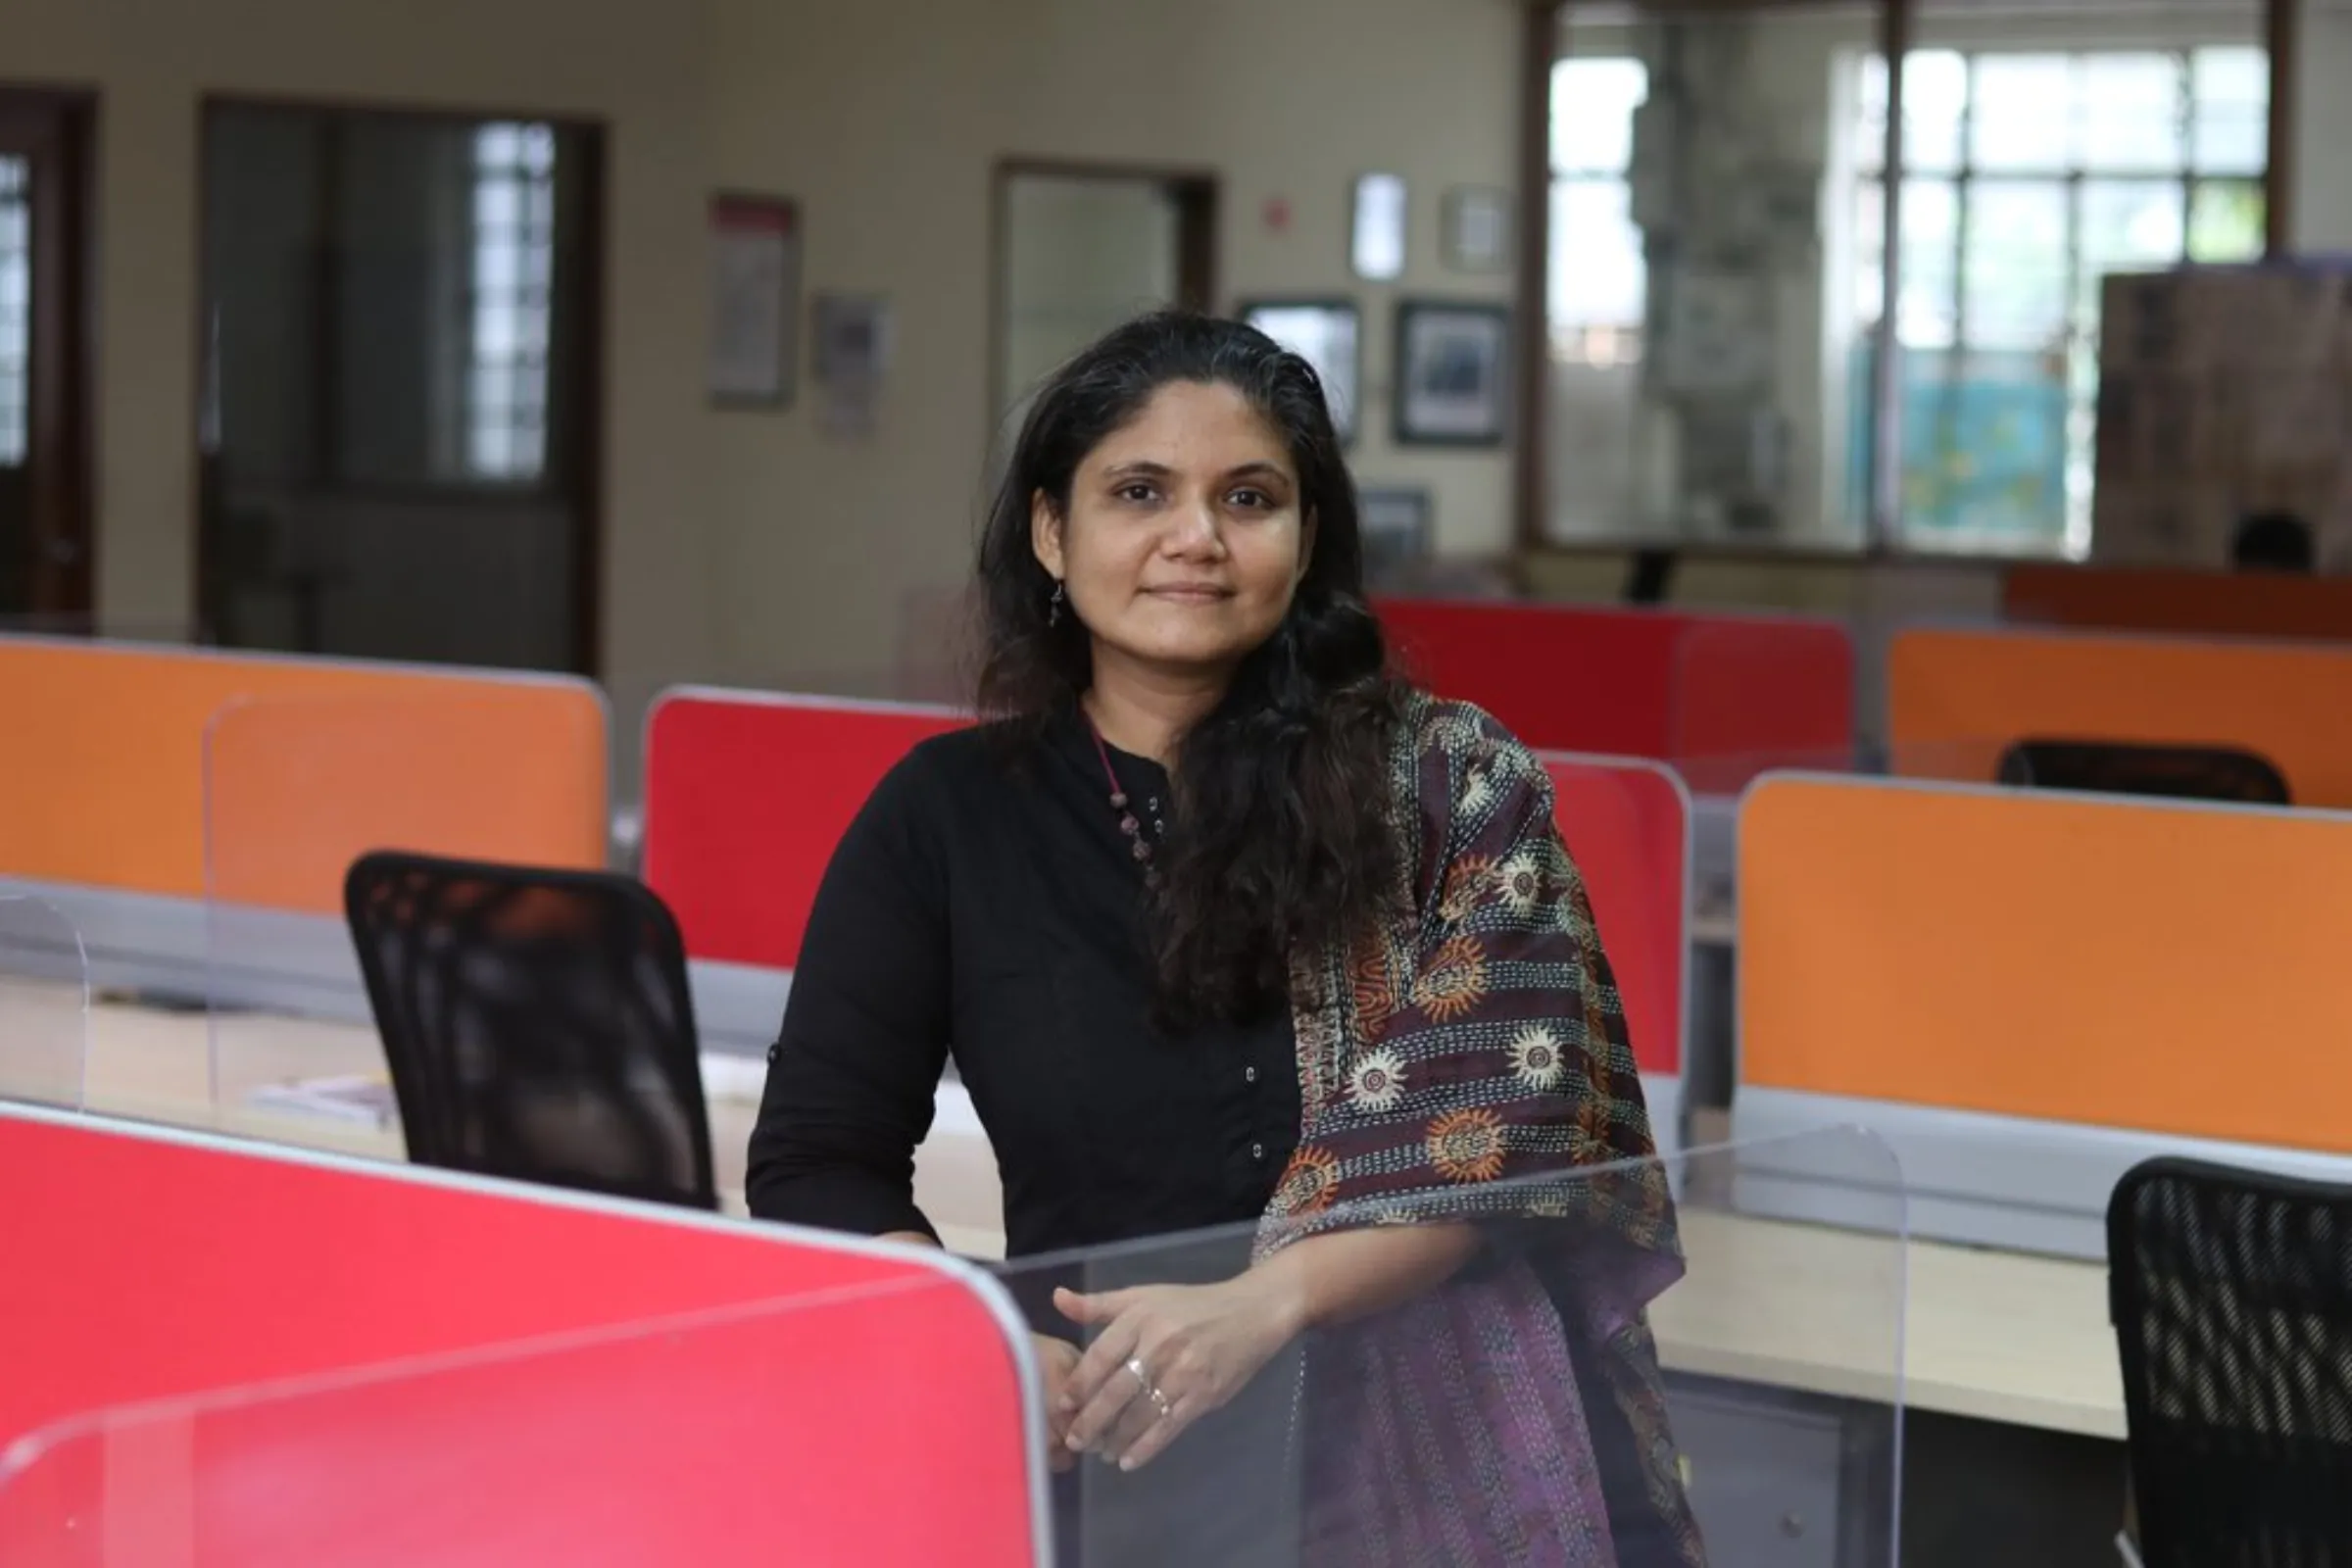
{"x": 1597, "y": 286}
{"x": 15, "y": 310}
{"x": 2026, "y": 177}
{"x": 511, "y": 300}
{"x": 1598, "y": 290}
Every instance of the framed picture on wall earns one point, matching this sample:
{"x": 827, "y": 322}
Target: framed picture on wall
{"x": 754, "y": 300}
{"x": 1329, "y": 335}
{"x": 1397, "y": 531}
{"x": 1453, "y": 384}
{"x": 1476, "y": 226}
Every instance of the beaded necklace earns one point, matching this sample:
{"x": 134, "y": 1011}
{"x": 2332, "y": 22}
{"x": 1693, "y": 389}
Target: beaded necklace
{"x": 1129, "y": 825}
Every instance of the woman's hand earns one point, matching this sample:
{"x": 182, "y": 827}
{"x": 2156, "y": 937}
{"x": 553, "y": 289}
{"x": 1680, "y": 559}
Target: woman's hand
{"x": 1057, "y": 1360}
{"x": 1166, "y": 1356}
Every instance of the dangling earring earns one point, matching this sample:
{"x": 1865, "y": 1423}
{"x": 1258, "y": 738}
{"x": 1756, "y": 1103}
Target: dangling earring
{"x": 1054, "y": 604}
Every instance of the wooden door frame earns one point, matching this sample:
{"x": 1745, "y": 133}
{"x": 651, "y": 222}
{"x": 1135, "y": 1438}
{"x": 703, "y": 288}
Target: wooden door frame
{"x": 1542, "y": 24}
{"x": 56, "y": 129}
{"x": 1198, "y": 194}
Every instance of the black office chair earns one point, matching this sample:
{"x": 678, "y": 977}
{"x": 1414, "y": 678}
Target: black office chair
{"x": 2123, "y": 767}
{"x": 538, "y": 1024}
{"x": 2232, "y": 1295}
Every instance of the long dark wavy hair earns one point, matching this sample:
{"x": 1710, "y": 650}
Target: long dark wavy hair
{"x": 1281, "y": 837}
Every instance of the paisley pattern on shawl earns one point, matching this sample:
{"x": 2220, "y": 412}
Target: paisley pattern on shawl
{"x": 1469, "y": 1064}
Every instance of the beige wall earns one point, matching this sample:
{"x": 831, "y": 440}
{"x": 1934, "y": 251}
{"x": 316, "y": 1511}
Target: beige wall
{"x": 746, "y": 546}
{"x": 2322, "y": 179}
{"x": 887, "y": 122}
{"x": 640, "y": 68}
{"x": 749, "y": 547}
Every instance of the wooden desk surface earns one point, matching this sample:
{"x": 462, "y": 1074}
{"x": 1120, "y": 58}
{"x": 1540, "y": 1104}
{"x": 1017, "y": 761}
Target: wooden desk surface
{"x": 157, "y": 1067}
{"x": 2000, "y": 1337}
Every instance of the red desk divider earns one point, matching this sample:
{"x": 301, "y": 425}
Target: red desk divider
{"x": 1626, "y": 824}
{"x": 747, "y": 794}
{"x": 457, "y": 1371}
{"x": 1658, "y": 683}
{"x": 1559, "y": 678}
{"x": 1760, "y": 686}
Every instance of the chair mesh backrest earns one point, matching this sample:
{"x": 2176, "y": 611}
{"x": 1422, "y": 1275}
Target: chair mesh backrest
{"x": 538, "y": 1024}
{"x": 2118, "y": 768}
{"x": 2233, "y": 1304}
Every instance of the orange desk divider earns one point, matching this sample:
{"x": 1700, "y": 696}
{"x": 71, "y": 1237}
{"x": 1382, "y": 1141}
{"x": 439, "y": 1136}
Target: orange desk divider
{"x": 1626, "y": 824}
{"x": 381, "y": 1364}
{"x": 2286, "y": 702}
{"x": 2177, "y": 601}
{"x": 2174, "y": 969}
{"x": 746, "y": 795}
{"x": 105, "y": 782}
{"x": 298, "y": 788}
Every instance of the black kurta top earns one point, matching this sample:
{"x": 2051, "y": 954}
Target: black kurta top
{"x": 985, "y": 905}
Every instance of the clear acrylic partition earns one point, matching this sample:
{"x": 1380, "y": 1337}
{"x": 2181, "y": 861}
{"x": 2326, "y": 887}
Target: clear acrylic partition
{"x": 792, "y": 1430}
{"x": 44, "y": 1004}
{"x": 1523, "y": 1396}
{"x": 1717, "y": 780}
{"x": 295, "y": 789}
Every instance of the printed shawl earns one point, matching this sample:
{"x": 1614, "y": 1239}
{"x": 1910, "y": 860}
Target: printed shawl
{"x": 1469, "y": 1064}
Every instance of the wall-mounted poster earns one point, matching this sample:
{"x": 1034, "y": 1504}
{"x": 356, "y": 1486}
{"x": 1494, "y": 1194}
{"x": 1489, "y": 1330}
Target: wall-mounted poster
{"x": 853, "y": 355}
{"x": 754, "y": 300}
{"x": 1326, "y": 334}
{"x": 1452, "y": 378}
{"x": 1399, "y": 533}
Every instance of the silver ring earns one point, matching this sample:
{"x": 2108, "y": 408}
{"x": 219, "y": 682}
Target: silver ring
{"x": 1159, "y": 1401}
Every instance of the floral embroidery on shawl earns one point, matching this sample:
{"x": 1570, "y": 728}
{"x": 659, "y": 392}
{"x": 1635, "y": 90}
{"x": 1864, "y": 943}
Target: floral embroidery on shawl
{"x": 1471, "y": 1064}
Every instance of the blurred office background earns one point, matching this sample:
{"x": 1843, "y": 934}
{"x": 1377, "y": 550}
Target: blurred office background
{"x": 387, "y": 329}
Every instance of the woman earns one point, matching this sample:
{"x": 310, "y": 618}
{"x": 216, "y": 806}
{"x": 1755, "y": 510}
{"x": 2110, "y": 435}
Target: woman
{"x": 1222, "y": 923}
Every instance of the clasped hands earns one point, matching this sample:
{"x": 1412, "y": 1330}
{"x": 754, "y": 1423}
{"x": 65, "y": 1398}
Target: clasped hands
{"x": 1164, "y": 1357}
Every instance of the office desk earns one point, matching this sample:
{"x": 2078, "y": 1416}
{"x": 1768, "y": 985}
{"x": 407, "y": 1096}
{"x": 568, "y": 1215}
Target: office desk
{"x": 1992, "y": 1336}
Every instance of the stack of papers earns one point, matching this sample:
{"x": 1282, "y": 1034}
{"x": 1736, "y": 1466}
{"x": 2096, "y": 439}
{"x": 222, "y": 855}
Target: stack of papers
{"x": 358, "y": 1100}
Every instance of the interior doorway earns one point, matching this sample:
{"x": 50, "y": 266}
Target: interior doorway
{"x": 402, "y": 349}
{"x": 45, "y": 374}
{"x": 1082, "y": 247}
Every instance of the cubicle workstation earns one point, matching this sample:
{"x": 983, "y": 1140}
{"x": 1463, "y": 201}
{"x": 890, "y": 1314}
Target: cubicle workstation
{"x": 387, "y": 1364}
{"x": 366, "y": 1330}
{"x": 622, "y": 1384}
{"x": 2027, "y": 993}
{"x": 165, "y": 786}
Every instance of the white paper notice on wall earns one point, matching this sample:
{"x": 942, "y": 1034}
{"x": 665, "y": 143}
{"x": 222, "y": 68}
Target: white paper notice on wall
{"x": 1718, "y": 332}
{"x": 755, "y": 298}
{"x": 853, "y": 357}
